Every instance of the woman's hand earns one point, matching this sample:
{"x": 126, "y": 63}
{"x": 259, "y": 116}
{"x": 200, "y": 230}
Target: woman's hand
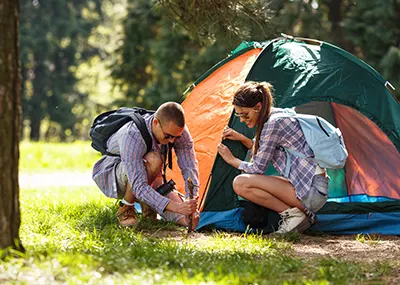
{"x": 231, "y": 134}
{"x": 227, "y": 155}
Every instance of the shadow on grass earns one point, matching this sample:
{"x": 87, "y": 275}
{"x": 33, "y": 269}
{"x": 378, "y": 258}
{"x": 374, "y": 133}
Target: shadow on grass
{"x": 99, "y": 217}
{"x": 120, "y": 249}
{"x": 93, "y": 240}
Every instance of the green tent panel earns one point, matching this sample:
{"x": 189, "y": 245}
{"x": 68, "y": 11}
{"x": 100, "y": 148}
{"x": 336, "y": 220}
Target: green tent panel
{"x": 319, "y": 78}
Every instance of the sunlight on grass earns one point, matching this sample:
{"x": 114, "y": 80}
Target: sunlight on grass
{"x": 50, "y": 157}
{"x": 72, "y": 237}
{"x": 368, "y": 238}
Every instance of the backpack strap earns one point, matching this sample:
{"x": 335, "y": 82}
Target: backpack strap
{"x": 167, "y": 151}
{"x": 141, "y": 124}
{"x": 288, "y": 160}
{"x": 170, "y": 146}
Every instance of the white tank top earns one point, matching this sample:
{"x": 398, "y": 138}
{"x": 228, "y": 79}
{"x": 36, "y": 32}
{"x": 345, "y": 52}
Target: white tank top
{"x": 319, "y": 170}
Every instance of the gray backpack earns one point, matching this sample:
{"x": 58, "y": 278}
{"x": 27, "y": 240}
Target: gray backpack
{"x": 325, "y": 140}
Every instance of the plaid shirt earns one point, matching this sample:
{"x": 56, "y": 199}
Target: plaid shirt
{"x": 283, "y": 131}
{"x": 130, "y": 145}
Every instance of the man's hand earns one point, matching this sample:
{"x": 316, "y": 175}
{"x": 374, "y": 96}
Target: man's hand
{"x": 186, "y": 208}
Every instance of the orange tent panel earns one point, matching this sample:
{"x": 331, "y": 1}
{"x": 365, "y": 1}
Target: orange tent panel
{"x": 373, "y": 162}
{"x": 207, "y": 111}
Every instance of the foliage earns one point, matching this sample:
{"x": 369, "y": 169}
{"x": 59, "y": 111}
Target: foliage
{"x": 373, "y": 27}
{"x": 71, "y": 237}
{"x": 229, "y": 21}
{"x": 158, "y": 60}
{"x": 80, "y": 58}
{"x": 53, "y": 43}
{"x": 303, "y": 19}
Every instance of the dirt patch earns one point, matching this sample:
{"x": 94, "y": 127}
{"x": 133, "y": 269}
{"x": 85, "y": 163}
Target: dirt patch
{"x": 352, "y": 248}
{"x": 363, "y": 248}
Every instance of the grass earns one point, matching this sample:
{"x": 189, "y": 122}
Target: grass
{"x": 50, "y": 157}
{"x": 370, "y": 239}
{"x": 71, "y": 237}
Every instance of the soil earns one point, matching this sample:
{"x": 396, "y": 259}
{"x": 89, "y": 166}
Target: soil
{"x": 372, "y": 248}
{"x": 365, "y": 248}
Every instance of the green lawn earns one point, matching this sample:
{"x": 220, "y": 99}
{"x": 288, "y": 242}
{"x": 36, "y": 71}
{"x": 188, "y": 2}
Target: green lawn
{"x": 71, "y": 237}
{"x": 50, "y": 157}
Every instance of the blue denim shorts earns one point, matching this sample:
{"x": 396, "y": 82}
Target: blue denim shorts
{"x": 318, "y": 194}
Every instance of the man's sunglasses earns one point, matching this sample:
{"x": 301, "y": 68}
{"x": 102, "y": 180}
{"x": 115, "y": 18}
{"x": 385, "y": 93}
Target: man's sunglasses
{"x": 167, "y": 136}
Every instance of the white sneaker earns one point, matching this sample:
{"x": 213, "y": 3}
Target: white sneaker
{"x": 293, "y": 219}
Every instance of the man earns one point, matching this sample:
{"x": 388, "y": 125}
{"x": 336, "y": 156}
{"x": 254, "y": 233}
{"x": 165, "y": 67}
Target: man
{"x": 134, "y": 174}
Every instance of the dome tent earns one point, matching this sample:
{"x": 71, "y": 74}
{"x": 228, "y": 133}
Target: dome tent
{"x": 316, "y": 78}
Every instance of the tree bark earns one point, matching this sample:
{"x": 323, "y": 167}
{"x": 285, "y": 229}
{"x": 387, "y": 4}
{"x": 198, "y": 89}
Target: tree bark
{"x": 10, "y": 124}
{"x": 335, "y": 16}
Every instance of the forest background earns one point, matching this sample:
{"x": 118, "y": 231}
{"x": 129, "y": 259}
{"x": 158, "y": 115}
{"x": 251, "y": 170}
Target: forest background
{"x": 82, "y": 57}
{"x": 79, "y": 58}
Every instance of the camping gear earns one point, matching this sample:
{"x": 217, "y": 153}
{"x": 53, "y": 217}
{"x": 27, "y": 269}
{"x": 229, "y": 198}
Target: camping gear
{"x": 259, "y": 218}
{"x": 107, "y": 123}
{"x": 316, "y": 78}
{"x": 325, "y": 140}
{"x": 166, "y": 188}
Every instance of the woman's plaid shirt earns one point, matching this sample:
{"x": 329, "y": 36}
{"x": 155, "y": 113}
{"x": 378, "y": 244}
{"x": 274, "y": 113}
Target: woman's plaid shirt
{"x": 283, "y": 131}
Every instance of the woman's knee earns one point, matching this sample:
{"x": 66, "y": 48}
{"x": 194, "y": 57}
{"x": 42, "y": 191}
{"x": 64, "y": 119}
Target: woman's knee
{"x": 239, "y": 184}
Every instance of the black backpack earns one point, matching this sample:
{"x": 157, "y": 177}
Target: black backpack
{"x": 106, "y": 124}
{"x": 260, "y": 218}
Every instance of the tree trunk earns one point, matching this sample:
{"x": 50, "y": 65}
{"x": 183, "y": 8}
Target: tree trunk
{"x": 335, "y": 16}
{"x": 36, "y": 114}
{"x": 35, "y": 127}
{"x": 10, "y": 124}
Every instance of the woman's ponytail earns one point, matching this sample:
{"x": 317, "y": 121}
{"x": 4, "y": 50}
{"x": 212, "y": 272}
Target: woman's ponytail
{"x": 266, "y": 98}
{"x": 249, "y": 95}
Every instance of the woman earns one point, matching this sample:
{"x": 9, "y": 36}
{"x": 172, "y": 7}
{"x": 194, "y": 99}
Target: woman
{"x": 304, "y": 191}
